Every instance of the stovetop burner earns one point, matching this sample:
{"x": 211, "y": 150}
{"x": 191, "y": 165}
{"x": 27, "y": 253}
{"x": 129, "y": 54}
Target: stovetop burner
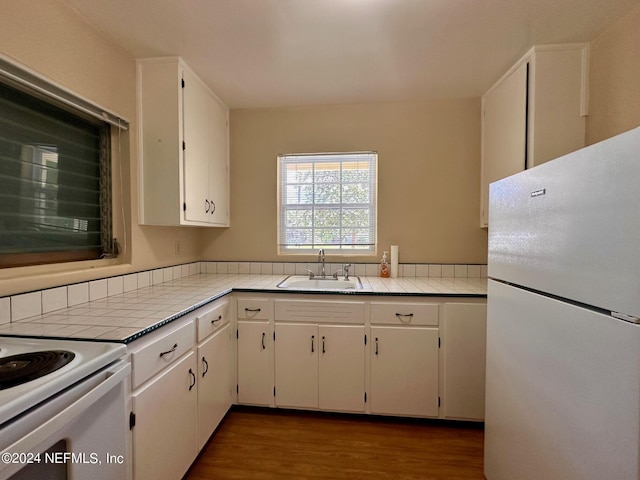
{"x": 24, "y": 367}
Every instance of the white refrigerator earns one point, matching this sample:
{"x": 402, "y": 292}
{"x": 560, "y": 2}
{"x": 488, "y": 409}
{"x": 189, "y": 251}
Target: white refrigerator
{"x": 563, "y": 339}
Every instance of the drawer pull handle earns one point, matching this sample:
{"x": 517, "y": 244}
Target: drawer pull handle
{"x": 376, "y": 345}
{"x": 402, "y": 316}
{"x": 213, "y": 322}
{"x": 323, "y": 351}
{"x": 252, "y": 309}
{"x": 206, "y": 366}
{"x": 193, "y": 377}
{"x": 313, "y": 337}
{"x": 173, "y": 349}
{"x": 263, "y": 335}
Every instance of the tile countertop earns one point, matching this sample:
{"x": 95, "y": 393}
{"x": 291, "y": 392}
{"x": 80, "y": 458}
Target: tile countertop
{"x": 127, "y": 316}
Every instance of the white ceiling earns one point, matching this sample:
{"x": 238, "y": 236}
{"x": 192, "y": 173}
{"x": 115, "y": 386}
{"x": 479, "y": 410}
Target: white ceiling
{"x": 273, "y": 53}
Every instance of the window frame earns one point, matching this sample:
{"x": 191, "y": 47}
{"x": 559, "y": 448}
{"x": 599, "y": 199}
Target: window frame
{"x": 33, "y": 85}
{"x": 311, "y": 160}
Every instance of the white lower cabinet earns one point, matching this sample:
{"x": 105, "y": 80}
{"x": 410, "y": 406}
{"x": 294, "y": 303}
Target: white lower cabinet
{"x": 255, "y": 350}
{"x": 341, "y": 368}
{"x": 320, "y": 366}
{"x": 464, "y": 332}
{"x": 370, "y": 356}
{"x": 166, "y": 416}
{"x": 404, "y": 371}
{"x": 404, "y": 358}
{"x": 181, "y": 390}
{"x": 214, "y": 382}
{"x": 255, "y": 363}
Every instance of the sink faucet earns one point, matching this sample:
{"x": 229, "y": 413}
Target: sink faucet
{"x": 321, "y": 261}
{"x": 345, "y": 269}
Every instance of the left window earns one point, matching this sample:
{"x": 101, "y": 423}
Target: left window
{"x": 55, "y": 181}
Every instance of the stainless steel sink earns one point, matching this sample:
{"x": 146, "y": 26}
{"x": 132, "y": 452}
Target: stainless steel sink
{"x": 303, "y": 282}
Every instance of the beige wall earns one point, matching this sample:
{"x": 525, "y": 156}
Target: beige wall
{"x": 428, "y": 176}
{"x": 58, "y": 44}
{"x": 614, "y": 104}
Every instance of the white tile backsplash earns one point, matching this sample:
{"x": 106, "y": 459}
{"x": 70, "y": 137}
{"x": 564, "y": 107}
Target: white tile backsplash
{"x": 144, "y": 279}
{"x": 448, "y": 271}
{"x": 130, "y": 282}
{"x": 176, "y": 272}
{"x": 21, "y": 306}
{"x": 97, "y": 289}
{"x": 167, "y": 274}
{"x": 5, "y": 310}
{"x": 460, "y": 271}
{"x": 473, "y": 271}
{"x": 26, "y": 305}
{"x": 115, "y": 286}
{"x": 54, "y": 299}
{"x": 77, "y": 294}
{"x": 157, "y": 276}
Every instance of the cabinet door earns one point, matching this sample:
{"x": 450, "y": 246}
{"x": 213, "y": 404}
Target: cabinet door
{"x": 296, "y": 365}
{"x": 219, "y": 165}
{"x": 164, "y": 435}
{"x": 404, "y": 371}
{"x": 255, "y": 363}
{"x": 197, "y": 151}
{"x": 214, "y": 371}
{"x": 504, "y": 132}
{"x": 464, "y": 334}
{"x": 341, "y": 368}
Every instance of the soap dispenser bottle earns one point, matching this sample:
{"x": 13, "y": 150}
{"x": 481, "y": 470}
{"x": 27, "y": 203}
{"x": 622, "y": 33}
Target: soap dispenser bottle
{"x": 384, "y": 266}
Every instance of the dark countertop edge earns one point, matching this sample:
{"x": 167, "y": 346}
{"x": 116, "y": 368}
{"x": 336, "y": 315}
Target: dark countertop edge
{"x": 224, "y": 293}
{"x": 357, "y": 293}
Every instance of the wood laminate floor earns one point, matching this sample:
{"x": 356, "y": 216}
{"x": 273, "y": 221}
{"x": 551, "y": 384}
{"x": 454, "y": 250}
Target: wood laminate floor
{"x": 275, "y": 444}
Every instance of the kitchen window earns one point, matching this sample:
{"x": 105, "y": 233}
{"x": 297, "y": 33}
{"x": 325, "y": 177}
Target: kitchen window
{"x": 55, "y": 173}
{"x": 327, "y": 201}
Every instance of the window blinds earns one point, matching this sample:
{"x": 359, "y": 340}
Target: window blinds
{"x": 328, "y": 201}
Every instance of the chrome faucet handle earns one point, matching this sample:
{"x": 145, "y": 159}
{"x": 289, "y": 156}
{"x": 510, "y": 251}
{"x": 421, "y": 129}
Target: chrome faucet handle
{"x": 346, "y": 271}
{"x": 311, "y": 274}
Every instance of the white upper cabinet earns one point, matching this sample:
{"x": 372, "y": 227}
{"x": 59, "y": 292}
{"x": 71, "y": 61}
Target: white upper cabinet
{"x": 184, "y": 147}
{"x": 533, "y": 114}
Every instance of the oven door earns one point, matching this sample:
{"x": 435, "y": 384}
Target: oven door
{"x": 79, "y": 433}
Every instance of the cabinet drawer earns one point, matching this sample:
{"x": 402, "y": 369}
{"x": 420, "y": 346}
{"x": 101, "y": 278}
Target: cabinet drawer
{"x": 151, "y": 358}
{"x": 404, "y": 313}
{"x": 255, "y": 308}
{"x": 212, "y": 318}
{"x": 319, "y": 311}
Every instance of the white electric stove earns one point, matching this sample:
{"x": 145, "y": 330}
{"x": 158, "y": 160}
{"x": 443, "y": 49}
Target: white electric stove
{"x": 62, "y": 409}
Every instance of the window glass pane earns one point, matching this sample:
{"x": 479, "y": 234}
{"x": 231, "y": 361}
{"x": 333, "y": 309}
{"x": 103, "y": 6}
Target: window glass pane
{"x": 299, "y": 236}
{"x": 339, "y": 191}
{"x": 356, "y": 193}
{"x": 327, "y": 193}
{"x": 50, "y": 179}
{"x": 299, "y": 218}
{"x": 299, "y": 194}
